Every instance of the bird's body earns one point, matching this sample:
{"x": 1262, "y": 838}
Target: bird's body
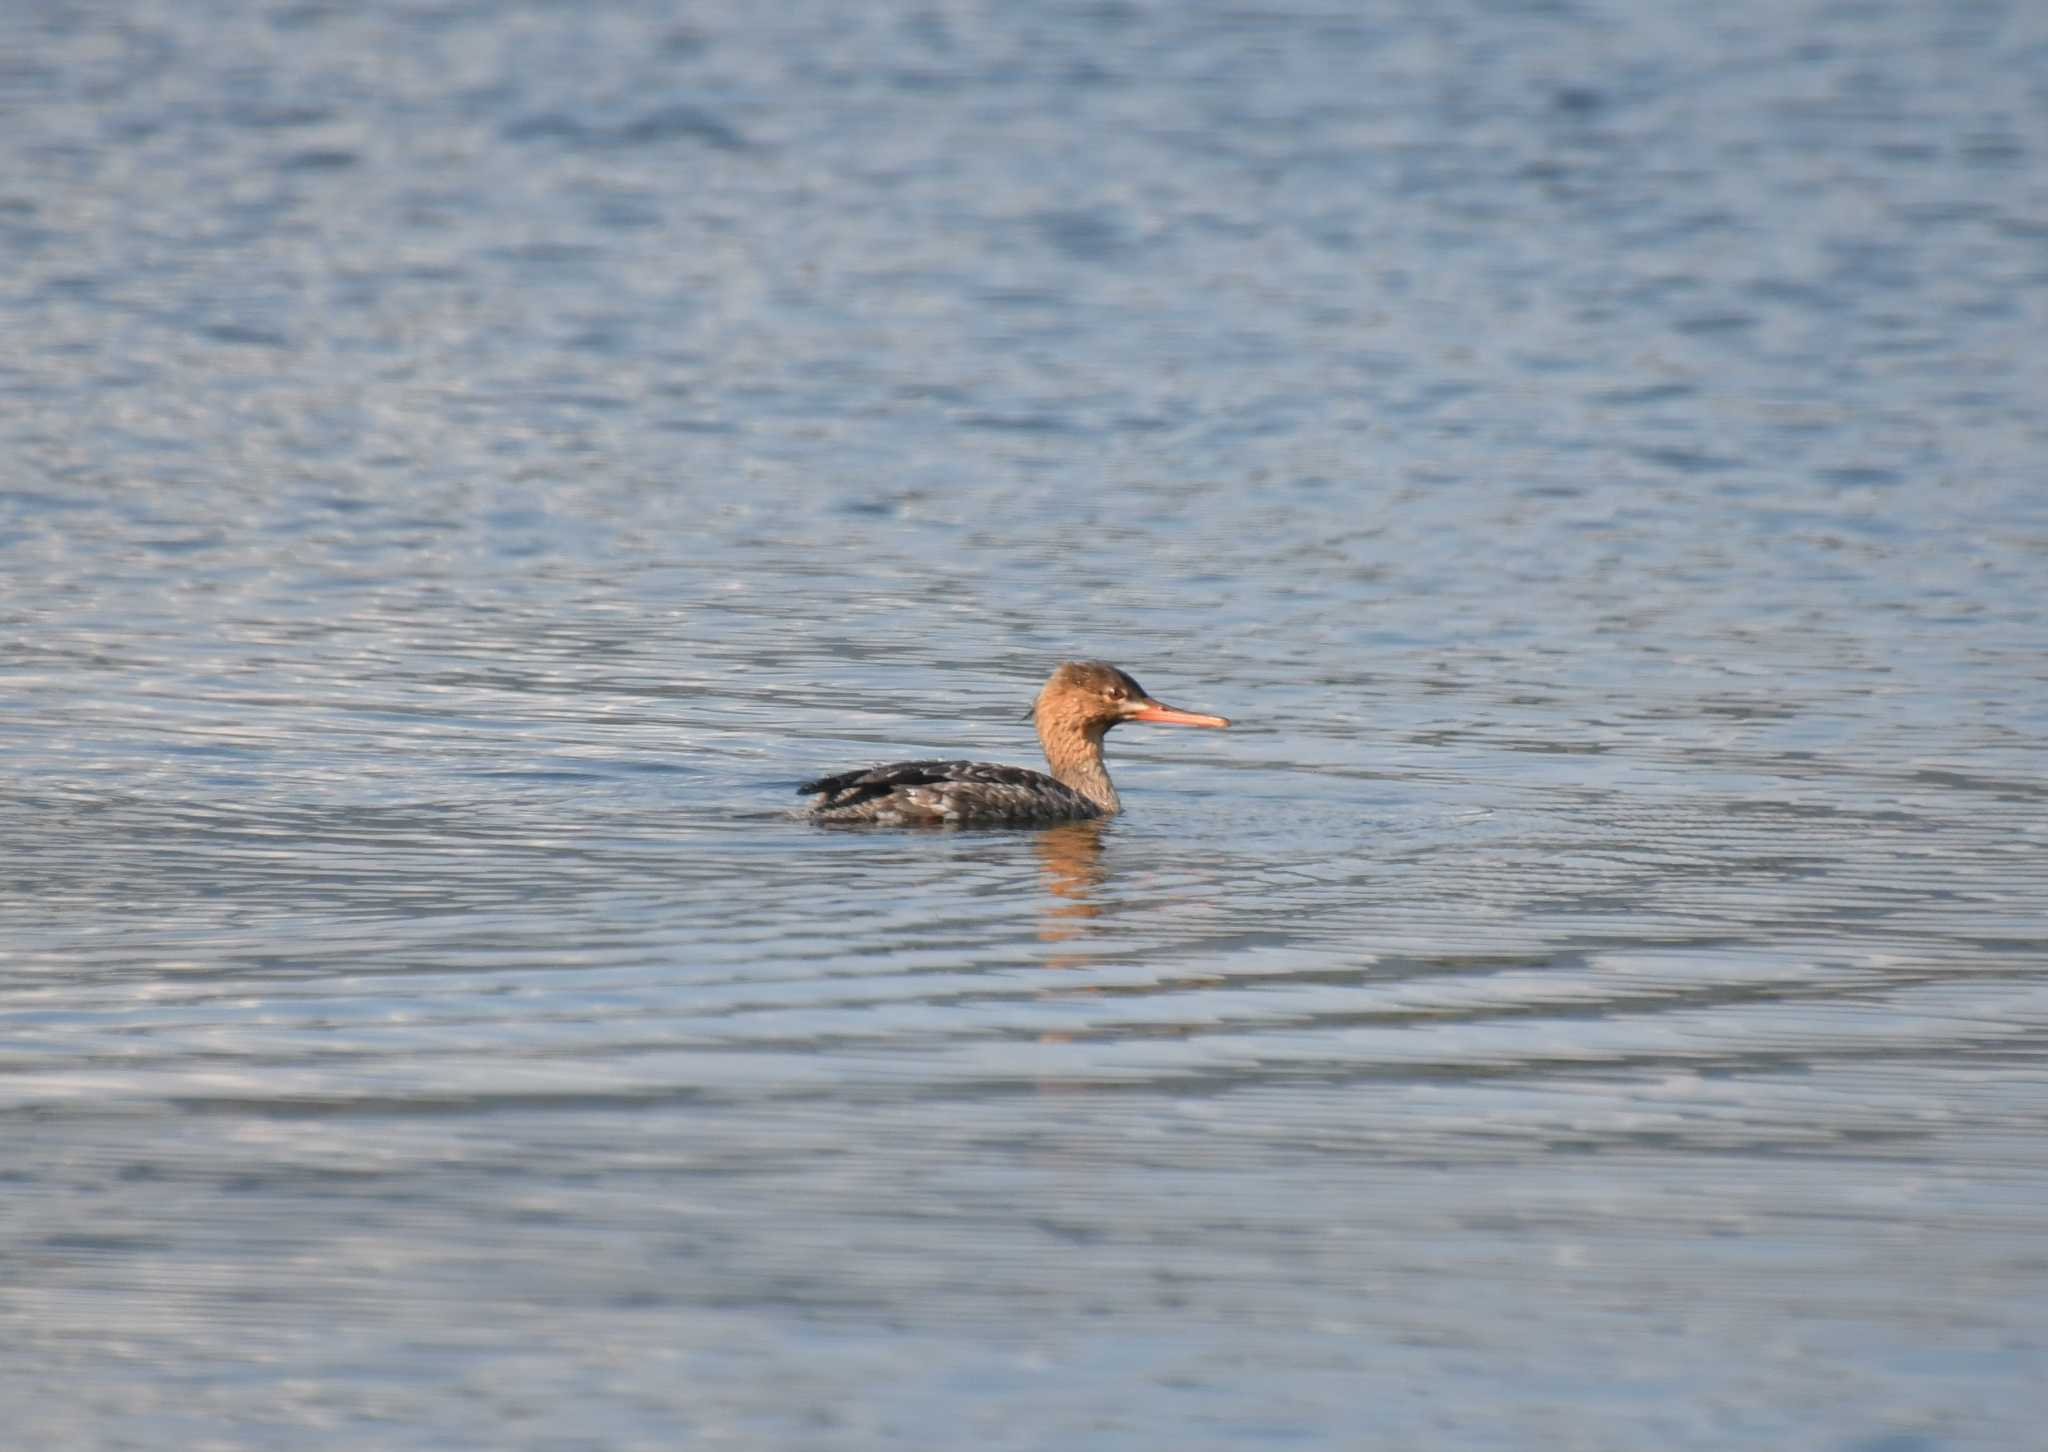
{"x": 1079, "y": 704}
{"x": 967, "y": 792}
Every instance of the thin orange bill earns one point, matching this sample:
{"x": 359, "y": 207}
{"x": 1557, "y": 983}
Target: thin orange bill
{"x": 1162, "y": 715}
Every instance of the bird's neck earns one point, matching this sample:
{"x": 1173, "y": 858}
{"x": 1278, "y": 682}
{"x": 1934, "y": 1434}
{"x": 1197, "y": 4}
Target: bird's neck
{"x": 1075, "y": 754}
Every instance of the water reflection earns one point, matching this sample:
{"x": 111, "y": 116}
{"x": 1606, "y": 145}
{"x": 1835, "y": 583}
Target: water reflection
{"x": 1070, "y": 856}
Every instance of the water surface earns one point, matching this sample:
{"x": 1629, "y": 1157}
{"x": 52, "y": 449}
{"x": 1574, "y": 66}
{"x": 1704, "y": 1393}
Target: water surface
{"x": 465, "y": 465}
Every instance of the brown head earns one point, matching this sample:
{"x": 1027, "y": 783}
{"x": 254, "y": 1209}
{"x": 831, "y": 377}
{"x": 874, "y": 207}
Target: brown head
{"x": 1087, "y": 697}
{"x": 1081, "y": 701}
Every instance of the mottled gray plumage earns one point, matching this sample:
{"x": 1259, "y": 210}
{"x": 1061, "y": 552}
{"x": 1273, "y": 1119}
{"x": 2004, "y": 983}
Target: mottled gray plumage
{"x": 911, "y": 792}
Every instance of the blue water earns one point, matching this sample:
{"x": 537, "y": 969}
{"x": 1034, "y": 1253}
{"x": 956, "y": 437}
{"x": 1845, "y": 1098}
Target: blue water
{"x": 461, "y": 466}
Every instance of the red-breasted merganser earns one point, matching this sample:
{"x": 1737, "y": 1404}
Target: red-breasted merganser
{"x": 1080, "y": 702}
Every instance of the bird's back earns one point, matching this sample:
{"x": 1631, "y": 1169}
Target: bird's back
{"x": 939, "y": 792}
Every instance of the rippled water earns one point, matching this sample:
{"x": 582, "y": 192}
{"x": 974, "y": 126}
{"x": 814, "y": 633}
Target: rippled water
{"x": 466, "y": 464}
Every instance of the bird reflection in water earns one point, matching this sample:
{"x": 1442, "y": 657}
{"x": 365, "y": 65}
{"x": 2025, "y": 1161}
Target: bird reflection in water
{"x": 1070, "y": 855}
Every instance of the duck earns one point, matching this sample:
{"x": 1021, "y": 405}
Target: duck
{"x": 1079, "y": 704}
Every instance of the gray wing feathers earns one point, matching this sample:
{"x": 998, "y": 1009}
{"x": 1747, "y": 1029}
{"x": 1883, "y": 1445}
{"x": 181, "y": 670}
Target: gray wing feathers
{"x": 945, "y": 791}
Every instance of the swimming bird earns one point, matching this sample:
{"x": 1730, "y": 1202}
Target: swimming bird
{"x": 1079, "y": 703}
